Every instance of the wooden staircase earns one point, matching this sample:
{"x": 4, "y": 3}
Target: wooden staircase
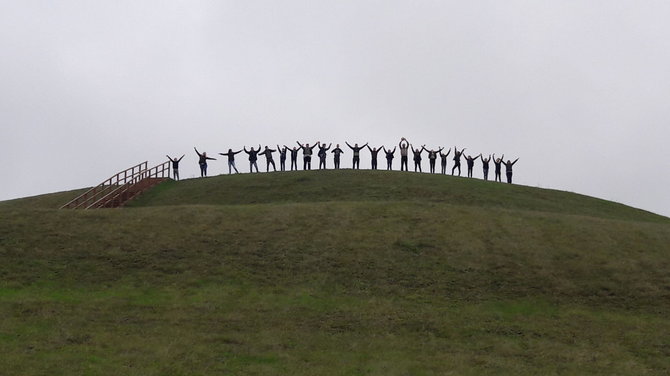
{"x": 122, "y": 187}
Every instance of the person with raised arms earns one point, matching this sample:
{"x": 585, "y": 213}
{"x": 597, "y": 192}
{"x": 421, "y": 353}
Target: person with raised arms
{"x": 175, "y": 166}
{"x": 404, "y": 146}
{"x": 417, "y": 157}
{"x": 508, "y": 169}
{"x": 457, "y": 161}
{"x": 231, "y": 160}
{"x": 282, "y": 157}
{"x": 443, "y": 160}
{"x": 268, "y": 158}
{"x": 389, "y": 157}
{"x": 336, "y": 156}
{"x": 373, "y": 155}
{"x": 202, "y": 161}
{"x": 498, "y": 162}
{"x": 294, "y": 157}
{"x": 306, "y": 155}
{"x": 471, "y": 163}
{"x": 432, "y": 157}
{"x": 357, "y": 154}
{"x": 485, "y": 166}
{"x": 253, "y": 157}
{"x": 323, "y": 153}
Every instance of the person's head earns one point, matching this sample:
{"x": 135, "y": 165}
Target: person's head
{"x": 266, "y": 148}
{"x": 204, "y": 153}
{"x": 497, "y": 160}
{"x": 355, "y": 145}
{"x": 337, "y": 145}
{"x": 230, "y": 150}
{"x": 295, "y": 148}
{"x": 374, "y": 149}
{"x": 508, "y": 161}
{"x": 306, "y": 145}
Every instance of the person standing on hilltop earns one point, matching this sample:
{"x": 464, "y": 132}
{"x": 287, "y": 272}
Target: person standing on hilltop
{"x": 417, "y": 157}
{"x": 231, "y": 160}
{"x": 306, "y": 155}
{"x": 443, "y": 160}
{"x": 485, "y": 165}
{"x": 508, "y": 169}
{"x": 389, "y": 157}
{"x": 373, "y": 155}
{"x": 432, "y": 157}
{"x": 175, "y": 166}
{"x": 457, "y": 161}
{"x": 282, "y": 157}
{"x": 357, "y": 154}
{"x": 268, "y": 158}
{"x": 404, "y": 146}
{"x": 471, "y": 163}
{"x": 498, "y": 162}
{"x": 253, "y": 158}
{"x": 336, "y": 156}
{"x": 323, "y": 153}
{"x": 202, "y": 161}
{"x": 294, "y": 157}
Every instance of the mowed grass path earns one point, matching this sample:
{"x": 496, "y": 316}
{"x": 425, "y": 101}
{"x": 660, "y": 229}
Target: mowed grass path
{"x": 461, "y": 277}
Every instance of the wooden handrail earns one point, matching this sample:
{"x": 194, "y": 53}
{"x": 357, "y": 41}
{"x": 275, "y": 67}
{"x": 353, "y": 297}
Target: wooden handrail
{"x": 117, "y": 185}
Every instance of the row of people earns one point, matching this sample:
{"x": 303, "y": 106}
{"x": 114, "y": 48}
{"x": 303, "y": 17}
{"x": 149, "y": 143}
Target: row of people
{"x": 322, "y": 153}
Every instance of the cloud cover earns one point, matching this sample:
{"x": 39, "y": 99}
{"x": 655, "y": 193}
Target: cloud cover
{"x": 576, "y": 89}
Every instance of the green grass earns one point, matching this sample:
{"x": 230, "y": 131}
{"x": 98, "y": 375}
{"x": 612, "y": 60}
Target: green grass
{"x": 335, "y": 273}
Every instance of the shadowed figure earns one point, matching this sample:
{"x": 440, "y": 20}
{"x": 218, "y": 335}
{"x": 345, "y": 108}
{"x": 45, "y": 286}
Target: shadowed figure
{"x": 175, "y": 166}
{"x": 457, "y": 161}
{"x": 306, "y": 155}
{"x": 253, "y": 158}
{"x": 336, "y": 156}
{"x": 443, "y": 160}
{"x": 471, "y": 163}
{"x": 357, "y": 154}
{"x": 508, "y": 169}
{"x": 404, "y": 150}
{"x": 282, "y": 157}
{"x": 373, "y": 156}
{"x": 268, "y": 158}
{"x": 231, "y": 160}
{"x": 497, "y": 162}
{"x": 417, "y": 157}
{"x": 389, "y": 157}
{"x": 294, "y": 157}
{"x": 432, "y": 157}
{"x": 485, "y": 166}
{"x": 323, "y": 153}
{"x": 202, "y": 161}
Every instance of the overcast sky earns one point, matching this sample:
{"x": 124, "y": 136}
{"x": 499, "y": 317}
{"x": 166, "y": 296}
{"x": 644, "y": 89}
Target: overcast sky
{"x": 578, "y": 90}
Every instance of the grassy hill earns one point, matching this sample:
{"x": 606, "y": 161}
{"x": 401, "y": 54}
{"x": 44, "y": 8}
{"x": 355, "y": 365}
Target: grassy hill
{"x": 335, "y": 273}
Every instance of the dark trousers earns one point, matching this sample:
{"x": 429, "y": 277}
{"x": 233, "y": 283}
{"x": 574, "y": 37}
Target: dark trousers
{"x": 509, "y": 177}
{"x": 456, "y": 166}
{"x": 357, "y": 163}
{"x": 374, "y": 164}
{"x": 307, "y": 163}
{"x": 417, "y": 164}
{"x": 486, "y": 174}
{"x": 337, "y": 163}
{"x": 403, "y": 163}
{"x": 322, "y": 162}
{"x": 389, "y": 164}
{"x": 432, "y": 166}
{"x": 282, "y": 164}
{"x": 268, "y": 163}
{"x": 203, "y": 170}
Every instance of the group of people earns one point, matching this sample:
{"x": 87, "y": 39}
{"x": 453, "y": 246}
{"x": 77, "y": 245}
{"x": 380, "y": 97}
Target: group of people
{"x": 404, "y": 146}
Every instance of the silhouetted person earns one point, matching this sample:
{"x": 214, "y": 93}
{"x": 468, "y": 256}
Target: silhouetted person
{"x": 389, "y": 157}
{"x": 282, "y": 157}
{"x": 357, "y": 154}
{"x": 498, "y": 162}
{"x": 404, "y": 146}
{"x": 253, "y": 157}
{"x": 457, "y": 161}
{"x": 268, "y": 158}
{"x": 175, "y": 166}
{"x": 202, "y": 161}
{"x": 306, "y": 155}
{"x": 323, "y": 153}
{"x": 508, "y": 169}
{"x": 432, "y": 156}
{"x": 294, "y": 157}
{"x": 417, "y": 157}
{"x": 373, "y": 155}
{"x": 485, "y": 165}
{"x": 336, "y": 156}
{"x": 471, "y": 163}
{"x": 231, "y": 160}
{"x": 443, "y": 160}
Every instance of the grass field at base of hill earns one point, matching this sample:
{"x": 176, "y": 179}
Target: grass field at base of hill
{"x": 373, "y": 283}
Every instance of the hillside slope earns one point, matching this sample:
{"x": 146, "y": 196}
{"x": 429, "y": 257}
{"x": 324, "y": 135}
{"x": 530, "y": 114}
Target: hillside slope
{"x": 336, "y": 273}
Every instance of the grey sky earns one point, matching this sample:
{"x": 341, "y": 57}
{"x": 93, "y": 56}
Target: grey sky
{"x": 576, "y": 89}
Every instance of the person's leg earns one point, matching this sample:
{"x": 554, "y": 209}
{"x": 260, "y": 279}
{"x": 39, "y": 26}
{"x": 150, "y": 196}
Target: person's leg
{"x": 509, "y": 177}
{"x": 486, "y": 174}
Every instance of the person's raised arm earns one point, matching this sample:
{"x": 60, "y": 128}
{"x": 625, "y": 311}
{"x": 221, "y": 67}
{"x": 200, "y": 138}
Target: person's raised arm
{"x": 196, "y": 151}
{"x": 423, "y": 147}
{"x": 393, "y": 150}
{"x": 182, "y": 156}
{"x": 503, "y": 157}
{"x": 245, "y": 149}
{"x": 412, "y": 147}
{"x": 272, "y": 150}
{"x": 350, "y": 147}
{"x": 366, "y": 144}
{"x": 515, "y": 161}
{"x": 299, "y": 144}
{"x": 329, "y": 145}
{"x": 440, "y": 150}
{"x": 169, "y": 158}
